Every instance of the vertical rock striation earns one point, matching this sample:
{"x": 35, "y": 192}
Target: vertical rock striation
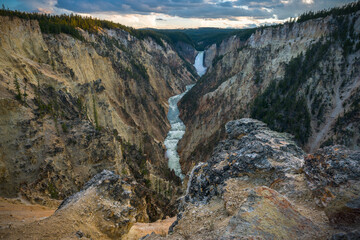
{"x": 300, "y": 78}
{"x": 71, "y": 108}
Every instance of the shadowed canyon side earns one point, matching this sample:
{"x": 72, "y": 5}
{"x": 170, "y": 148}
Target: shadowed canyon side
{"x": 301, "y": 77}
{"x": 177, "y": 130}
{"x": 71, "y": 108}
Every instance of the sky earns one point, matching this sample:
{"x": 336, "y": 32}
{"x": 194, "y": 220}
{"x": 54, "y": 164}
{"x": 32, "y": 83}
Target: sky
{"x": 180, "y": 13}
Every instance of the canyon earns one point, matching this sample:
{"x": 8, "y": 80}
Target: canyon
{"x": 71, "y": 108}
{"x": 116, "y": 133}
{"x": 299, "y": 65}
{"x": 177, "y": 130}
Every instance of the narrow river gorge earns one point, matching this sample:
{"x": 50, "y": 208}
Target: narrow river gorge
{"x": 178, "y": 128}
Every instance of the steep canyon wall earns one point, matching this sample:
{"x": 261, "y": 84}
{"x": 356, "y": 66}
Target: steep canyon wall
{"x": 71, "y": 108}
{"x": 300, "y": 77}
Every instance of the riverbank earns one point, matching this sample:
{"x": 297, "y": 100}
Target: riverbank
{"x": 178, "y": 128}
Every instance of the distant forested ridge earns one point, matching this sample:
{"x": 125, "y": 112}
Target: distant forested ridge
{"x": 200, "y": 38}
{"x": 69, "y": 24}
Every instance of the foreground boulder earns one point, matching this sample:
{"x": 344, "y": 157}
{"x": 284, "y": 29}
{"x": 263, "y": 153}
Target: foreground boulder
{"x": 248, "y": 213}
{"x": 105, "y": 208}
{"x": 333, "y": 174}
{"x": 111, "y": 202}
{"x": 258, "y": 184}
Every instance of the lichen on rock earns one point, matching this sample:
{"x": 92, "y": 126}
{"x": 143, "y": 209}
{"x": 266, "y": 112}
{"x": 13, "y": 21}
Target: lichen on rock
{"x": 253, "y": 153}
{"x": 258, "y": 184}
{"x": 333, "y": 174}
{"x": 246, "y": 189}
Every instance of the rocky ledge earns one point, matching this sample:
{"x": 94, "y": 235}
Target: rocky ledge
{"x": 111, "y": 202}
{"x": 333, "y": 174}
{"x": 258, "y": 184}
{"x": 254, "y": 154}
{"x": 105, "y": 208}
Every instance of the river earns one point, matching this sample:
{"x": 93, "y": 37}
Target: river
{"x": 178, "y": 128}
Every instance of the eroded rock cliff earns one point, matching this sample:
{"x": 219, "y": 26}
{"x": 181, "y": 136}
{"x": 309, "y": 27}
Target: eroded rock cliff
{"x": 258, "y": 184}
{"x": 300, "y": 77}
{"x": 71, "y": 108}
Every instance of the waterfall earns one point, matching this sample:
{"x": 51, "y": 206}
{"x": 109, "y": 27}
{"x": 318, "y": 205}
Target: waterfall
{"x": 199, "y": 64}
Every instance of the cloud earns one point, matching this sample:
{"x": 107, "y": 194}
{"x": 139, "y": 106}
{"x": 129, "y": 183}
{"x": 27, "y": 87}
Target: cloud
{"x": 152, "y": 21}
{"x": 43, "y": 6}
{"x": 35, "y": 5}
{"x": 308, "y": 1}
{"x": 201, "y": 8}
{"x": 133, "y": 12}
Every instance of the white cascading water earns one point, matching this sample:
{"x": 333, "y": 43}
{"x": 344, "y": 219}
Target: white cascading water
{"x": 177, "y": 130}
{"x": 199, "y": 64}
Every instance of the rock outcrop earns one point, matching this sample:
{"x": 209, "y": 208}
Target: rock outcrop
{"x": 219, "y": 50}
{"x": 264, "y": 213}
{"x": 105, "y": 208}
{"x": 258, "y": 184}
{"x": 252, "y": 153}
{"x": 110, "y": 200}
{"x": 187, "y": 51}
{"x": 334, "y": 178}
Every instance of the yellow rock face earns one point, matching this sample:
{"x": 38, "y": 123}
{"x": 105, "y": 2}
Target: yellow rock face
{"x": 113, "y": 82}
